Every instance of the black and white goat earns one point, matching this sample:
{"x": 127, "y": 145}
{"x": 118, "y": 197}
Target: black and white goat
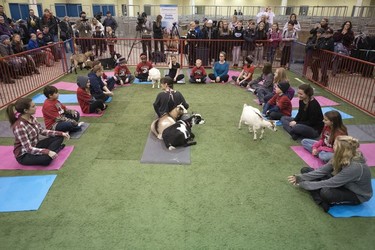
{"x": 179, "y": 134}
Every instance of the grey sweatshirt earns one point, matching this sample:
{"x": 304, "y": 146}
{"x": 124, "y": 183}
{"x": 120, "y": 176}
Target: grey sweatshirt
{"x": 356, "y": 177}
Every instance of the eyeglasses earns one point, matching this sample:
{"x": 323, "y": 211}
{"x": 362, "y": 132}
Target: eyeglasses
{"x": 221, "y": 56}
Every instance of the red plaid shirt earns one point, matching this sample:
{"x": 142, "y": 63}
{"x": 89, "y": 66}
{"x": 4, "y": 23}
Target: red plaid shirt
{"x": 27, "y": 136}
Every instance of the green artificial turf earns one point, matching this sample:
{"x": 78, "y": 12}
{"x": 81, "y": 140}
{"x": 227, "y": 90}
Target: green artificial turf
{"x": 234, "y": 195}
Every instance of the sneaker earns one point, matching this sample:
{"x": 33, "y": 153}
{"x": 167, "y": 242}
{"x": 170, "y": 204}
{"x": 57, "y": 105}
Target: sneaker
{"x": 80, "y": 124}
{"x": 251, "y": 90}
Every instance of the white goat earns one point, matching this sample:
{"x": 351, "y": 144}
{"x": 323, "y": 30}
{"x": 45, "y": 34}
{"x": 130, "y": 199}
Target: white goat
{"x": 154, "y": 76}
{"x": 253, "y": 118}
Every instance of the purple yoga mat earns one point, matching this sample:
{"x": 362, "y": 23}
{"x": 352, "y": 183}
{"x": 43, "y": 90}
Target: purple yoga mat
{"x": 70, "y": 86}
{"x": 367, "y": 150}
{"x": 39, "y": 113}
{"x": 8, "y": 162}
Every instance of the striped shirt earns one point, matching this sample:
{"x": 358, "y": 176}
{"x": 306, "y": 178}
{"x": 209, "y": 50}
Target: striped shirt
{"x": 27, "y": 136}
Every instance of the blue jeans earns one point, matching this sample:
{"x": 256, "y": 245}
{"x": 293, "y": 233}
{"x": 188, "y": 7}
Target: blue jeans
{"x": 70, "y": 41}
{"x": 322, "y": 155}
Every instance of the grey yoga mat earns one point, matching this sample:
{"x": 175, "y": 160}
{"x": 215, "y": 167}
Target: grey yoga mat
{"x": 364, "y": 133}
{"x": 155, "y": 152}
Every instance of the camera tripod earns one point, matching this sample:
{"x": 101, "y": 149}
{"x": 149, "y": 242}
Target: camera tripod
{"x": 138, "y": 34}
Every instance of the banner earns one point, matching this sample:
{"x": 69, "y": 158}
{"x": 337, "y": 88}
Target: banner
{"x": 170, "y": 16}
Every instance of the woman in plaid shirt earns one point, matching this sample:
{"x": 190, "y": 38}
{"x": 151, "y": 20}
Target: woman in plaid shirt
{"x": 28, "y": 149}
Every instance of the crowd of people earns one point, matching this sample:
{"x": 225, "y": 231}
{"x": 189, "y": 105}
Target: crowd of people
{"x": 345, "y": 177}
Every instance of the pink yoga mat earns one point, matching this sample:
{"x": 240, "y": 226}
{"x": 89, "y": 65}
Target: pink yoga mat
{"x": 367, "y": 150}
{"x": 70, "y": 86}
{"x": 323, "y": 101}
{"x": 39, "y": 113}
{"x": 8, "y": 162}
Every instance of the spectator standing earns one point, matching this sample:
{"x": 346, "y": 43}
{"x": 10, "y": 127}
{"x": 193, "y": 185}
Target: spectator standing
{"x": 33, "y": 22}
{"x": 85, "y": 32}
{"x": 66, "y": 34}
{"x": 110, "y": 21}
{"x": 296, "y": 25}
{"x": 158, "y": 34}
{"x": 50, "y": 21}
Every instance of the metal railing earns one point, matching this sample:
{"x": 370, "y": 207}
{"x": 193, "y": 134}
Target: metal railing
{"x": 23, "y": 73}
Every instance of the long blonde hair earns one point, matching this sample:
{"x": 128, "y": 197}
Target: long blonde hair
{"x": 346, "y": 148}
{"x": 280, "y": 76}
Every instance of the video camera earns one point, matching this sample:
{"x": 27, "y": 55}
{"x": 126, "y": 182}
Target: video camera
{"x": 141, "y": 19}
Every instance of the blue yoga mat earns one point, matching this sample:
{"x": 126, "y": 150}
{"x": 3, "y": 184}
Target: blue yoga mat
{"x": 136, "y": 81}
{"x": 24, "y": 193}
{"x": 326, "y": 109}
{"x": 366, "y": 209}
{"x": 63, "y": 98}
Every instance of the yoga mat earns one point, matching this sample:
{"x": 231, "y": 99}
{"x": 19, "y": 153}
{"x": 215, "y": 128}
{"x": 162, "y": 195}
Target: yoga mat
{"x": 5, "y": 130}
{"x": 367, "y": 150}
{"x": 323, "y": 101}
{"x": 70, "y": 86}
{"x": 63, "y": 98}
{"x": 357, "y": 132}
{"x": 156, "y": 152}
{"x": 24, "y": 193}
{"x": 366, "y": 209}
{"x": 78, "y": 134}
{"x": 326, "y": 109}
{"x": 8, "y": 162}
{"x": 39, "y": 113}
{"x": 109, "y": 73}
{"x": 136, "y": 81}
{"x": 368, "y": 129}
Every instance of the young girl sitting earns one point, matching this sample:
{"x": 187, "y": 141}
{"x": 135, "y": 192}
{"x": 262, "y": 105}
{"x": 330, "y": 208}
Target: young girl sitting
{"x": 279, "y": 105}
{"x": 86, "y": 101}
{"x": 174, "y": 69}
{"x": 246, "y": 74}
{"x": 344, "y": 180}
{"x": 28, "y": 149}
{"x": 308, "y": 122}
{"x": 333, "y": 127}
{"x": 263, "y": 81}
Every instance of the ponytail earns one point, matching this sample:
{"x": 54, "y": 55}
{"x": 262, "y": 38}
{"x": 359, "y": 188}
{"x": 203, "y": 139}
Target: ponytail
{"x": 11, "y": 113}
{"x": 20, "y": 105}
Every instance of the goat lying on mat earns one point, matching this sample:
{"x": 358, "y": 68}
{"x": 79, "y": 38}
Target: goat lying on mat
{"x": 253, "y": 118}
{"x": 168, "y": 119}
{"x": 179, "y": 134}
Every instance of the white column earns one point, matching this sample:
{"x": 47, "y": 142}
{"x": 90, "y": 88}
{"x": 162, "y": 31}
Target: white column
{"x": 131, "y": 8}
{"x": 284, "y": 3}
{"x": 192, "y": 3}
{"x": 32, "y": 5}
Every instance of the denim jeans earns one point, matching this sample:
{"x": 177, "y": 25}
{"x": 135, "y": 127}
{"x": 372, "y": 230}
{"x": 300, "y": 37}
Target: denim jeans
{"x": 322, "y": 155}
